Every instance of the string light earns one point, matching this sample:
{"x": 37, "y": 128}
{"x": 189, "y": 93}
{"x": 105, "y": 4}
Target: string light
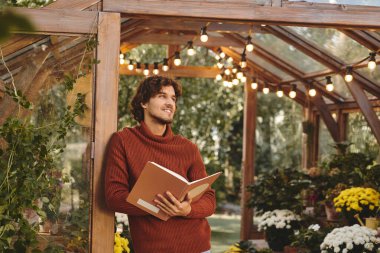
{"x": 243, "y": 79}
{"x": 249, "y": 46}
{"x": 230, "y": 59}
{"x": 122, "y": 61}
{"x": 138, "y": 67}
{"x": 293, "y": 91}
{"x": 279, "y": 92}
{"x": 219, "y": 64}
{"x": 266, "y": 88}
{"x": 225, "y": 83}
{"x": 204, "y": 36}
{"x": 219, "y": 77}
{"x": 254, "y": 84}
{"x": 348, "y": 77}
{"x": 239, "y": 74}
{"x": 312, "y": 91}
{"x": 221, "y": 53}
{"x": 217, "y": 57}
{"x": 329, "y": 84}
{"x": 165, "y": 65}
{"x": 190, "y": 48}
{"x": 177, "y": 59}
{"x": 121, "y": 56}
{"x": 372, "y": 61}
{"x": 227, "y": 72}
{"x": 130, "y": 65}
{"x": 155, "y": 68}
{"x": 234, "y": 70}
{"x": 243, "y": 62}
{"x": 146, "y": 69}
{"x": 235, "y": 81}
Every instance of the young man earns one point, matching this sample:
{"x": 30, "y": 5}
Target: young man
{"x": 187, "y": 231}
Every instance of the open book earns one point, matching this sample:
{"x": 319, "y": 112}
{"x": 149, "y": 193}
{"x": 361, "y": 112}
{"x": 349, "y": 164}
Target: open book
{"x": 156, "y": 179}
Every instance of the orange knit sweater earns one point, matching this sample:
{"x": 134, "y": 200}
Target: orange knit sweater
{"x": 128, "y": 152}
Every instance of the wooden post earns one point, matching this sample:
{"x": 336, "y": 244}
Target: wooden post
{"x": 342, "y": 119}
{"x": 248, "y": 163}
{"x": 106, "y": 93}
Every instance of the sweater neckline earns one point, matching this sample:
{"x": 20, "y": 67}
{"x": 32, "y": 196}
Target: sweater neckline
{"x": 168, "y": 135}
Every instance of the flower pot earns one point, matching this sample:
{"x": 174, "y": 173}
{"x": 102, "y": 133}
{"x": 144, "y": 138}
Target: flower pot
{"x": 278, "y": 238}
{"x": 372, "y": 223}
{"x": 290, "y": 249}
{"x": 331, "y": 214}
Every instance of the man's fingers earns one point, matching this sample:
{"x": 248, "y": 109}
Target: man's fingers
{"x": 173, "y": 199}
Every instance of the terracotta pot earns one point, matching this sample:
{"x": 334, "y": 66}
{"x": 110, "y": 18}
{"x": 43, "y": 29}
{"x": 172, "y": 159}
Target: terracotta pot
{"x": 331, "y": 214}
{"x": 290, "y": 249}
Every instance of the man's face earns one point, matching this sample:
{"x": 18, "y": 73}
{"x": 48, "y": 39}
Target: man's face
{"x": 161, "y": 107}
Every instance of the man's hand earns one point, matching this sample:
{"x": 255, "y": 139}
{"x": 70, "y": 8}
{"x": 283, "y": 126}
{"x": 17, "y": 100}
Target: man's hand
{"x": 171, "y": 206}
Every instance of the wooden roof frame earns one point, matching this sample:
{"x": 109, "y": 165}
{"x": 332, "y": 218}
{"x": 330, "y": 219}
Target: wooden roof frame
{"x": 73, "y": 17}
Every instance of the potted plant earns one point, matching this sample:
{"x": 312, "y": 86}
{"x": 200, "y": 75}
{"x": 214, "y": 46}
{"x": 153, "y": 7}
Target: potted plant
{"x": 351, "y": 239}
{"x": 243, "y": 247}
{"x": 308, "y": 240}
{"x": 278, "y": 225}
{"x": 331, "y": 194}
{"x": 357, "y": 200}
{"x": 278, "y": 189}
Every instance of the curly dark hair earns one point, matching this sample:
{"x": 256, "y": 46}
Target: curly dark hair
{"x": 148, "y": 88}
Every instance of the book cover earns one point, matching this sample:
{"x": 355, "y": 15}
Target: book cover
{"x": 156, "y": 179}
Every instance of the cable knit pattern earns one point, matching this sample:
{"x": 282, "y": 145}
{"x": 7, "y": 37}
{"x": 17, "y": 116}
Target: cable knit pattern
{"x": 128, "y": 151}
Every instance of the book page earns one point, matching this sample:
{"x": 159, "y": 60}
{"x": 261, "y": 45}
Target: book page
{"x": 171, "y": 172}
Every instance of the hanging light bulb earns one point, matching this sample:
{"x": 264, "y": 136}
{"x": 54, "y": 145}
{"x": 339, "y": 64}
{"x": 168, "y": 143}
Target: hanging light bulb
{"x": 230, "y": 59}
{"x": 239, "y": 74}
{"x": 293, "y": 91}
{"x": 177, "y": 59}
{"x": 225, "y": 83}
{"x": 219, "y": 77}
{"x": 243, "y": 62}
{"x": 121, "y": 56}
{"x": 155, "y": 68}
{"x": 227, "y": 72}
{"x": 130, "y": 64}
{"x": 266, "y": 88}
{"x": 220, "y": 64}
{"x": 234, "y": 69}
{"x": 279, "y": 92}
{"x": 312, "y": 92}
{"x": 190, "y": 48}
{"x": 329, "y": 84}
{"x": 138, "y": 67}
{"x": 165, "y": 65}
{"x": 221, "y": 53}
{"x": 372, "y": 61}
{"x": 235, "y": 81}
{"x": 348, "y": 77}
{"x": 146, "y": 69}
{"x": 254, "y": 84}
{"x": 243, "y": 79}
{"x": 122, "y": 61}
{"x": 249, "y": 46}
{"x": 204, "y": 36}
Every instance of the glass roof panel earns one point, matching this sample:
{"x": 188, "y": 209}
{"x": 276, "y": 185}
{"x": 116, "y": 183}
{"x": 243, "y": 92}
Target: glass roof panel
{"x": 288, "y": 53}
{"x": 349, "y": 2}
{"x": 340, "y": 87}
{"x": 373, "y": 75}
{"x": 266, "y": 65}
{"x": 334, "y": 42}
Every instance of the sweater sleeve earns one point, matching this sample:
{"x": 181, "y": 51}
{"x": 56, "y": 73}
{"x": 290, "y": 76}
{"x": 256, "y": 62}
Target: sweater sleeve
{"x": 116, "y": 179}
{"x": 205, "y": 206}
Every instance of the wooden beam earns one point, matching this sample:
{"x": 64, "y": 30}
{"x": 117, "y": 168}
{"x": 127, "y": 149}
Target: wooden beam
{"x": 248, "y": 160}
{"x": 342, "y": 120}
{"x": 321, "y": 56}
{"x": 352, "y": 106}
{"x": 79, "y": 5}
{"x": 106, "y": 100}
{"x": 366, "y": 38}
{"x": 173, "y": 39}
{"x": 19, "y": 42}
{"x": 330, "y": 122}
{"x": 245, "y": 11}
{"x": 365, "y": 107}
{"x": 178, "y": 71}
{"x": 60, "y": 21}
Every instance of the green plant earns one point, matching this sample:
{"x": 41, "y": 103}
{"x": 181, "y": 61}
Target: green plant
{"x": 243, "y": 247}
{"x": 278, "y": 189}
{"x": 308, "y": 240}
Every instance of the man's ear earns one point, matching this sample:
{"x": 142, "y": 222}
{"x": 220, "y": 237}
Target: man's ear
{"x": 143, "y": 105}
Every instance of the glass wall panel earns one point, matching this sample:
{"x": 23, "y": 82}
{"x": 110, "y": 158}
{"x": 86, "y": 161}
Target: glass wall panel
{"x": 326, "y": 142}
{"x": 45, "y": 142}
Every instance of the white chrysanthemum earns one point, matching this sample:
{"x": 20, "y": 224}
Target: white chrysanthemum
{"x": 278, "y": 219}
{"x": 344, "y": 239}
